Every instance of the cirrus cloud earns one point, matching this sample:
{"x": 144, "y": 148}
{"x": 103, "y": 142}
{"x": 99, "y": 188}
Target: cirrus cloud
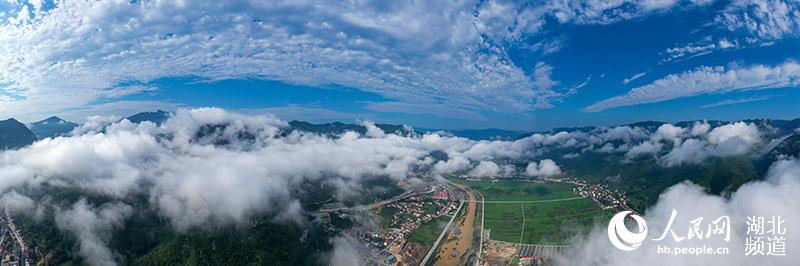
{"x": 706, "y": 80}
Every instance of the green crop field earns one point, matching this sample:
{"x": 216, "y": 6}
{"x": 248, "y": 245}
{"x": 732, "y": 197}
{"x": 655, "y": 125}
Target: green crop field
{"x": 514, "y": 216}
{"x": 541, "y": 223}
{"x": 505, "y": 221}
{"x": 514, "y": 190}
{"x": 428, "y": 232}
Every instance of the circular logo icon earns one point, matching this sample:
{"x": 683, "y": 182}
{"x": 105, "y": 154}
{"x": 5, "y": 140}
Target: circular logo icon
{"x": 621, "y": 237}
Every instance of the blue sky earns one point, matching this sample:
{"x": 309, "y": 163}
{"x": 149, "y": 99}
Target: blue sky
{"x": 454, "y": 64}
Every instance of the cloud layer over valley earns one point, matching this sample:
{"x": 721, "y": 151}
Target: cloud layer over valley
{"x": 207, "y": 167}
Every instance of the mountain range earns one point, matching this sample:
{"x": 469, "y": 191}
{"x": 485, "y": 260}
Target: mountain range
{"x": 148, "y": 239}
{"x": 52, "y": 127}
{"x": 14, "y": 134}
{"x": 157, "y": 117}
{"x": 780, "y": 126}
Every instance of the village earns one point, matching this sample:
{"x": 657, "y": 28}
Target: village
{"x": 404, "y": 218}
{"x": 387, "y": 241}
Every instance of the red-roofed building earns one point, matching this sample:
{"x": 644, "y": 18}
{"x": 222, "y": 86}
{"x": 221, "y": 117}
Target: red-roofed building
{"x": 441, "y": 195}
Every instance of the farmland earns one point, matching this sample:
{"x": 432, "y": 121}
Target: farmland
{"x": 534, "y": 213}
{"x": 539, "y": 223}
{"x": 514, "y": 190}
{"x": 428, "y": 232}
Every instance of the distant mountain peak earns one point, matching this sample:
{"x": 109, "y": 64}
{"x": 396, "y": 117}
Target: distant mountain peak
{"x": 157, "y": 117}
{"x": 11, "y": 121}
{"x": 336, "y": 128}
{"x": 14, "y": 134}
{"x": 52, "y": 127}
{"x": 52, "y": 120}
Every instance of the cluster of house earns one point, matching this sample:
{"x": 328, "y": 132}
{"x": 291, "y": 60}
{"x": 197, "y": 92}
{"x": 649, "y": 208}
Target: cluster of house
{"x": 13, "y": 248}
{"x": 372, "y": 239}
{"x": 410, "y": 214}
{"x": 602, "y": 196}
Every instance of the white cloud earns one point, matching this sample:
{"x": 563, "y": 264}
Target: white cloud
{"x": 372, "y": 130}
{"x": 690, "y": 145}
{"x": 689, "y": 152}
{"x": 607, "y": 148}
{"x": 208, "y": 166}
{"x": 732, "y": 139}
{"x": 395, "y": 50}
{"x": 198, "y": 172}
{"x": 571, "y": 155}
{"x": 114, "y": 108}
{"x": 705, "y": 80}
{"x": 92, "y": 227}
{"x": 746, "y": 23}
{"x": 16, "y": 202}
{"x": 705, "y": 46}
{"x": 306, "y": 113}
{"x": 738, "y": 101}
{"x": 725, "y": 44}
{"x": 624, "y": 133}
{"x": 548, "y": 167}
{"x": 646, "y": 147}
{"x": 345, "y": 252}
{"x": 601, "y": 136}
{"x": 747, "y": 132}
{"x": 634, "y": 77}
{"x": 542, "y": 80}
{"x": 764, "y": 19}
{"x": 700, "y": 128}
{"x": 694, "y": 145}
{"x": 453, "y": 53}
{"x": 656, "y": 4}
{"x": 550, "y": 46}
{"x": 772, "y": 197}
{"x": 508, "y": 170}
{"x": 606, "y": 12}
{"x": 668, "y": 132}
{"x": 451, "y": 166}
{"x": 545, "y": 168}
{"x": 247, "y": 176}
{"x": 485, "y": 169}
